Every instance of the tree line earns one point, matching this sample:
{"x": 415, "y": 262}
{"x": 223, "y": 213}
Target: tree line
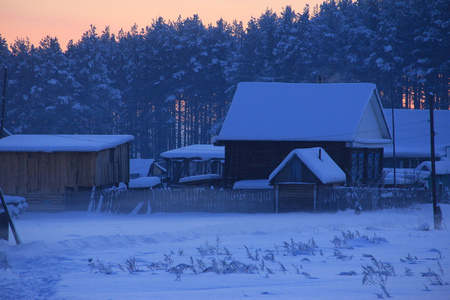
{"x": 170, "y": 84}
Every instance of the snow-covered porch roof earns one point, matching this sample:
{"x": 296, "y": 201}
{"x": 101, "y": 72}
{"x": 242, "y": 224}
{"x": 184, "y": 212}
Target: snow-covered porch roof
{"x": 317, "y": 161}
{"x": 203, "y": 152}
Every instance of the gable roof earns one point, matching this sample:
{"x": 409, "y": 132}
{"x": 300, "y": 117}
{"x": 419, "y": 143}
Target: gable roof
{"x": 204, "y": 152}
{"x": 412, "y": 132}
{"x": 61, "y": 142}
{"x": 272, "y": 111}
{"x": 317, "y": 161}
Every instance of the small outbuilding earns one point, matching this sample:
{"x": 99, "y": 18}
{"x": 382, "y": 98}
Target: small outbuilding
{"x": 442, "y": 173}
{"x": 195, "y": 164}
{"x": 45, "y": 168}
{"x": 301, "y": 176}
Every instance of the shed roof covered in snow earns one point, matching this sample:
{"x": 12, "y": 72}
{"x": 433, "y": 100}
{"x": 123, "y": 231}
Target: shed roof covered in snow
{"x": 269, "y": 111}
{"x": 61, "y": 142}
{"x": 204, "y": 152}
{"x": 140, "y": 166}
{"x": 412, "y": 132}
{"x": 317, "y": 161}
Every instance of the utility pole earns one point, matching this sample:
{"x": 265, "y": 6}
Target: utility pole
{"x": 437, "y": 213}
{"x": 2, "y": 125}
{"x": 393, "y": 131}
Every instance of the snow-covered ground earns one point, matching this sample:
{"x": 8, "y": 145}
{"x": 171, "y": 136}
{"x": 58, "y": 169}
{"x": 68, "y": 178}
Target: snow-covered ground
{"x": 81, "y": 255}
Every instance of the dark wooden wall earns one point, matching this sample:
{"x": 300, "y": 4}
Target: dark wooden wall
{"x": 295, "y": 197}
{"x": 257, "y": 159}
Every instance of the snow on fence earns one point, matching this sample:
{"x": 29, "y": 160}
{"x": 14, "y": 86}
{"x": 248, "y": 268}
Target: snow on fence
{"x": 342, "y": 198}
{"x": 121, "y": 200}
{"x": 185, "y": 200}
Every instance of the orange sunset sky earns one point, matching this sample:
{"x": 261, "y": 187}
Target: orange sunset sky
{"x": 69, "y": 19}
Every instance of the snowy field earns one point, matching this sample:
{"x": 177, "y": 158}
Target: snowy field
{"x": 80, "y": 255}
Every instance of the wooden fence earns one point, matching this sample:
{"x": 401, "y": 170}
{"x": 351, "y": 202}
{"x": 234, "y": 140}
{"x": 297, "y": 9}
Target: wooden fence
{"x": 342, "y": 198}
{"x": 240, "y": 201}
{"x": 185, "y": 200}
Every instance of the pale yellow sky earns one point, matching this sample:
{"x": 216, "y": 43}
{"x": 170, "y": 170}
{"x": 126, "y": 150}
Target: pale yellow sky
{"x": 69, "y": 19}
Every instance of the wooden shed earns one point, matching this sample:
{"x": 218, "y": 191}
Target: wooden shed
{"x": 301, "y": 176}
{"x": 44, "y": 168}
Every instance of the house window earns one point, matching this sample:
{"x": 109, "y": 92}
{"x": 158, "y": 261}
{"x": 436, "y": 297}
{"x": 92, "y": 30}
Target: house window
{"x": 370, "y": 167}
{"x": 201, "y": 167}
{"x": 215, "y": 167}
{"x": 376, "y": 166}
{"x": 360, "y": 167}
{"x": 373, "y": 167}
{"x": 357, "y": 168}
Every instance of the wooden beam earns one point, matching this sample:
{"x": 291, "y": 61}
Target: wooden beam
{"x": 8, "y": 216}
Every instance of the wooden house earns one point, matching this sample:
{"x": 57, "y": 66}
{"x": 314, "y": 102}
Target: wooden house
{"x": 195, "y": 164}
{"x": 266, "y": 121}
{"x": 44, "y": 168}
{"x": 300, "y": 178}
{"x": 412, "y": 137}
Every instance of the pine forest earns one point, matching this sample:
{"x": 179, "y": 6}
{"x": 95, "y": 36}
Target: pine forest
{"x": 170, "y": 83}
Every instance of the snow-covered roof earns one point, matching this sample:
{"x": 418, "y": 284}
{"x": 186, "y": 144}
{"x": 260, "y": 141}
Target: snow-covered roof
{"x": 197, "y": 178}
{"x": 61, "y": 142}
{"x": 144, "y": 182}
{"x": 271, "y": 111}
{"x": 324, "y": 168}
{"x": 442, "y": 167}
{"x": 204, "y": 152}
{"x": 404, "y": 176}
{"x": 412, "y": 132}
{"x": 256, "y": 184}
{"x": 140, "y": 166}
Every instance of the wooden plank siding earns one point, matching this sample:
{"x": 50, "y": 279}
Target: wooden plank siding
{"x": 295, "y": 197}
{"x": 42, "y": 178}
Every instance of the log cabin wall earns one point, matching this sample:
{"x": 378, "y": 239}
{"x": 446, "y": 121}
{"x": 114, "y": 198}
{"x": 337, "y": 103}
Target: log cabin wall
{"x": 257, "y": 159}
